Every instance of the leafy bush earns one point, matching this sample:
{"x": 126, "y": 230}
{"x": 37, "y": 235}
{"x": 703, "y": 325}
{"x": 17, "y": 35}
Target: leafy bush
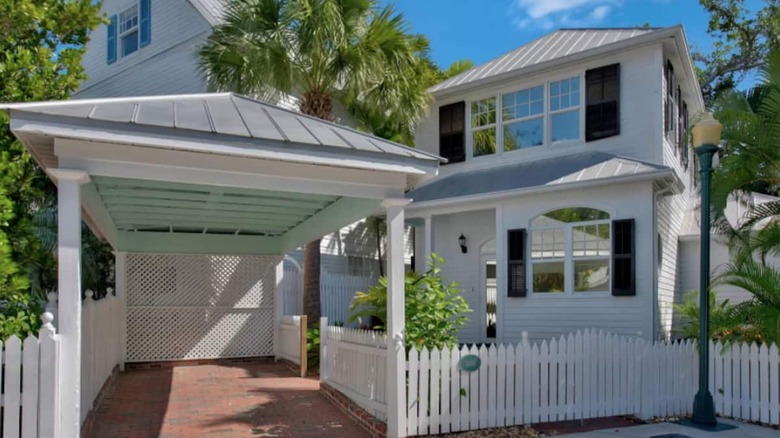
{"x": 725, "y": 323}
{"x": 20, "y": 316}
{"x": 435, "y": 311}
{"x": 313, "y": 348}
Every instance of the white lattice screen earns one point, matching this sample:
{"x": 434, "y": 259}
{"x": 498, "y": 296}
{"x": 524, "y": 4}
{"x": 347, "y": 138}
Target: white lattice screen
{"x": 199, "y": 306}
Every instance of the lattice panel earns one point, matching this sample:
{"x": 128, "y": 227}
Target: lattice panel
{"x": 199, "y": 306}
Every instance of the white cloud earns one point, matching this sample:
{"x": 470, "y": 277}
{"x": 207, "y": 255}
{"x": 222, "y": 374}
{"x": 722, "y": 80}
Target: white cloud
{"x": 547, "y": 14}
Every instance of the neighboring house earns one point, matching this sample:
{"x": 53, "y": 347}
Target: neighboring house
{"x": 149, "y": 47}
{"x": 569, "y": 177}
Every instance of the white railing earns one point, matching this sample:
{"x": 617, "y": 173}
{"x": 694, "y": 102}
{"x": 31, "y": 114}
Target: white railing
{"x": 336, "y": 293}
{"x": 292, "y": 341}
{"x": 29, "y": 377}
{"x": 101, "y": 346}
{"x": 354, "y": 363}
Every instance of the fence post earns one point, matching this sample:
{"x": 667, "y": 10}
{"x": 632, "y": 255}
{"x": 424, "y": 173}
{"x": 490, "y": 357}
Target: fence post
{"x": 304, "y": 359}
{"x": 48, "y": 399}
{"x": 87, "y": 352}
{"x": 278, "y": 307}
{"x": 51, "y": 306}
{"x": 646, "y": 371}
{"x": 323, "y": 349}
{"x": 120, "y": 274}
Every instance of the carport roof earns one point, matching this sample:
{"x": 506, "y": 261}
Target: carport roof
{"x": 214, "y": 173}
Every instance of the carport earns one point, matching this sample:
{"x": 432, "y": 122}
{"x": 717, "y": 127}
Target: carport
{"x": 200, "y": 196}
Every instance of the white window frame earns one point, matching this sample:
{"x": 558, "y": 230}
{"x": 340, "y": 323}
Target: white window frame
{"x": 568, "y": 259}
{"x": 498, "y": 125}
{"x": 123, "y": 33}
{"x": 550, "y": 113}
{"x": 542, "y": 116}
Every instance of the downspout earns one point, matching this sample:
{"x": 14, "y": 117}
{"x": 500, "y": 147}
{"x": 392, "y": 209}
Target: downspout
{"x": 656, "y": 198}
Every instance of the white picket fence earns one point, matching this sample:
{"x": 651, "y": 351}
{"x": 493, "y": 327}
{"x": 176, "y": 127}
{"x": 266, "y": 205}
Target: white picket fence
{"x": 336, "y": 293}
{"x": 354, "y": 362}
{"x": 101, "y": 344}
{"x": 745, "y": 382}
{"x": 29, "y": 384}
{"x": 585, "y": 375}
{"x": 292, "y": 341}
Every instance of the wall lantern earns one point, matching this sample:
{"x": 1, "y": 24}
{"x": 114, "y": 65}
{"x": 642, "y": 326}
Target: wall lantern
{"x": 462, "y": 243}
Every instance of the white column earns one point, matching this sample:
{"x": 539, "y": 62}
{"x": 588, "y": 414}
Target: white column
{"x": 428, "y": 244}
{"x": 278, "y": 306}
{"x": 120, "y": 275}
{"x": 396, "y": 354}
{"x": 69, "y": 288}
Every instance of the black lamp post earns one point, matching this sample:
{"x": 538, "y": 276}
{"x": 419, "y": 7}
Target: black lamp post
{"x": 706, "y": 137}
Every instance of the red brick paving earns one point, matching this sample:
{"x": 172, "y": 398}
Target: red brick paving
{"x": 260, "y": 399}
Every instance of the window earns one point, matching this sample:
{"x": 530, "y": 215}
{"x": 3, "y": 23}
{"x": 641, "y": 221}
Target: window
{"x": 602, "y": 115}
{"x": 483, "y": 126}
{"x": 452, "y": 120}
{"x": 571, "y": 251}
{"x": 685, "y": 144}
{"x": 565, "y": 109}
{"x": 128, "y": 30}
{"x": 523, "y": 118}
{"x": 670, "y": 116}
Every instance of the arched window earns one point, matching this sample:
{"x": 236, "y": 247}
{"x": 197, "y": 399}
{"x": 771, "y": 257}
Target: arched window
{"x": 570, "y": 251}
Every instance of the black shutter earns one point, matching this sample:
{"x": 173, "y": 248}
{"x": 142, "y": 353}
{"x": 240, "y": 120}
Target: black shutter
{"x": 516, "y": 284}
{"x": 602, "y": 110}
{"x": 452, "y": 123}
{"x": 623, "y": 271}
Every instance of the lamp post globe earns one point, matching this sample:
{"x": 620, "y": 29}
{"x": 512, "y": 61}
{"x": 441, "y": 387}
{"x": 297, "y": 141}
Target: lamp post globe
{"x": 706, "y": 137}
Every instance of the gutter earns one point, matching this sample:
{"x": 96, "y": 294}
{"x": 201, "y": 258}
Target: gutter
{"x": 495, "y": 196}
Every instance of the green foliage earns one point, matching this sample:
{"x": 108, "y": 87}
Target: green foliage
{"x": 20, "y": 316}
{"x": 313, "y": 348}
{"x": 40, "y": 59}
{"x": 435, "y": 311}
{"x": 725, "y": 325}
{"x": 743, "y": 37}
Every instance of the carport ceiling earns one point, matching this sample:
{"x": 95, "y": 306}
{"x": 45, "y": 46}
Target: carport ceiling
{"x": 138, "y": 205}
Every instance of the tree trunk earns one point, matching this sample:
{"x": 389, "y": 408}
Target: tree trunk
{"x": 311, "y": 283}
{"x": 320, "y": 105}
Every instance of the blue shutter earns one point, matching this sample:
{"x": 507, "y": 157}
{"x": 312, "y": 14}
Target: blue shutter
{"x": 146, "y": 22}
{"x": 111, "y": 41}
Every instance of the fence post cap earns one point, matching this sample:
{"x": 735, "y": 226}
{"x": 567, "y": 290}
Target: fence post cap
{"x": 51, "y": 296}
{"x": 47, "y": 319}
{"x": 89, "y": 293}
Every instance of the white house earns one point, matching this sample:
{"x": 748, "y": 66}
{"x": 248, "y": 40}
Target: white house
{"x": 569, "y": 177}
{"x": 150, "y": 48}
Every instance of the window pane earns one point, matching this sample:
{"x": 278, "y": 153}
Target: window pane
{"x": 523, "y": 103}
{"x": 483, "y": 112}
{"x": 548, "y": 277}
{"x": 484, "y": 142}
{"x": 564, "y": 94}
{"x": 548, "y": 243}
{"x": 129, "y": 43}
{"x": 525, "y": 134}
{"x": 591, "y": 275}
{"x": 566, "y": 126}
{"x": 590, "y": 240}
{"x": 572, "y": 214}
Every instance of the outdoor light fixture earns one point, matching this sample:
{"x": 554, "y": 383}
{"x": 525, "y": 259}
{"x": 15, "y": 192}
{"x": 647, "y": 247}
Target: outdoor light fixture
{"x": 462, "y": 243}
{"x": 706, "y": 138}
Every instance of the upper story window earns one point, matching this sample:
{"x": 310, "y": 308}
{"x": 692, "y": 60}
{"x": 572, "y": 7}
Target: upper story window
{"x": 128, "y": 29}
{"x": 483, "y": 126}
{"x": 565, "y": 109}
{"x": 523, "y": 118}
{"x": 675, "y": 115}
{"x": 571, "y": 251}
{"x": 131, "y": 30}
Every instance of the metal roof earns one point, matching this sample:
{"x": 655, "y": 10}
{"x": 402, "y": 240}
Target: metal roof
{"x": 555, "y": 45}
{"x": 227, "y": 114}
{"x": 573, "y": 168}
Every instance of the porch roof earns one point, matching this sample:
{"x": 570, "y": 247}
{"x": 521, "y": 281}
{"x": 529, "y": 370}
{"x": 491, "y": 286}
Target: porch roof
{"x": 551, "y": 173}
{"x": 214, "y": 173}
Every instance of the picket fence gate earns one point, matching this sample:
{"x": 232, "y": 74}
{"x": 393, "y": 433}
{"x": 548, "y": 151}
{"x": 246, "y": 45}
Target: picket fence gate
{"x": 354, "y": 362}
{"x": 29, "y": 381}
{"x": 102, "y": 332}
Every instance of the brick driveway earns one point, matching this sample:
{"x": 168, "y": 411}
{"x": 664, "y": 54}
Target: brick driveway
{"x": 258, "y": 399}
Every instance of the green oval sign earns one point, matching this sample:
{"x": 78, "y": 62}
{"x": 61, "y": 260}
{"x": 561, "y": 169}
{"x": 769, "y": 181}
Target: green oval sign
{"x": 470, "y": 362}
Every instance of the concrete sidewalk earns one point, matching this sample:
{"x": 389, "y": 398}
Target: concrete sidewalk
{"x": 671, "y": 430}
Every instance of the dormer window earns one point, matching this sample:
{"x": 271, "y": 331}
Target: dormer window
{"x": 523, "y": 118}
{"x": 483, "y": 126}
{"x": 565, "y": 109}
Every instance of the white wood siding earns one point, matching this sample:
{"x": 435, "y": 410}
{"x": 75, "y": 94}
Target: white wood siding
{"x": 168, "y": 61}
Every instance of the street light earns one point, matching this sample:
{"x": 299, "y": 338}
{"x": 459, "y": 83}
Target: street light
{"x": 706, "y": 137}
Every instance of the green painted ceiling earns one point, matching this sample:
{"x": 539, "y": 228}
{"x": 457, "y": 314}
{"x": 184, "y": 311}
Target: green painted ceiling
{"x": 139, "y": 205}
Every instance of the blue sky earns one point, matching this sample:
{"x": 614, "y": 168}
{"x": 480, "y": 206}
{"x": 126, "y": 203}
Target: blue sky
{"x": 482, "y": 29}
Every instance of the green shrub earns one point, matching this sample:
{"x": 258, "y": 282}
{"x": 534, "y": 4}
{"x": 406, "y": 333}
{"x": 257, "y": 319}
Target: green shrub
{"x": 20, "y": 316}
{"x": 313, "y": 348}
{"x": 726, "y": 325}
{"x": 435, "y": 310}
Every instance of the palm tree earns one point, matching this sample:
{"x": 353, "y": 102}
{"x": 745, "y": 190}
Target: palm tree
{"x": 353, "y": 52}
{"x": 751, "y": 162}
